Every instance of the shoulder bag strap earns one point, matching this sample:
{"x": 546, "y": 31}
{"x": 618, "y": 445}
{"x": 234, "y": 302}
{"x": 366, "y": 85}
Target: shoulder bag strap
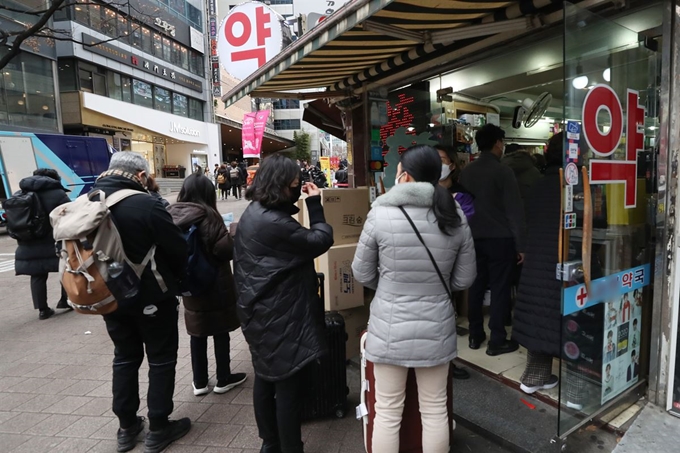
{"x": 434, "y": 262}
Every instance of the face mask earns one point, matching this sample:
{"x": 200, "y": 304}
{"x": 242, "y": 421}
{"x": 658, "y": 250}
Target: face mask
{"x": 446, "y": 171}
{"x": 295, "y": 193}
{"x": 396, "y": 181}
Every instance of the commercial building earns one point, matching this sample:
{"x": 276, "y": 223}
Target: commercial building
{"x": 29, "y": 98}
{"x": 135, "y": 74}
{"x": 394, "y": 73}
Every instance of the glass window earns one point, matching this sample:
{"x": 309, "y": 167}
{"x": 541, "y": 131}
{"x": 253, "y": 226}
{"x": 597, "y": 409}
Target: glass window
{"x": 82, "y": 12}
{"x": 167, "y": 50}
{"x": 157, "y": 45}
{"x": 194, "y": 16}
{"x": 95, "y": 17}
{"x": 195, "y": 109}
{"x": 126, "y": 88}
{"x": 176, "y": 54}
{"x": 114, "y": 85}
{"x": 162, "y": 100}
{"x": 99, "y": 84}
{"x": 108, "y": 25}
{"x": 283, "y": 104}
{"x": 178, "y": 5}
{"x": 184, "y": 57}
{"x": 196, "y": 63}
{"x": 286, "y": 125}
{"x": 86, "y": 82}
{"x": 142, "y": 93}
{"x": 180, "y": 104}
{"x": 147, "y": 45}
{"x": 67, "y": 75}
{"x": 123, "y": 30}
{"x": 136, "y": 35}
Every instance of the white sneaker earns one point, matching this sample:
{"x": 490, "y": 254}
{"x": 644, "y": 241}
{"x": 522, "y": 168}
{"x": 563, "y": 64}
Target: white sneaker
{"x": 199, "y": 392}
{"x": 552, "y": 383}
{"x": 575, "y": 406}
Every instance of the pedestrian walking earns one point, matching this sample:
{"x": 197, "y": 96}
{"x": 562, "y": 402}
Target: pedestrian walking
{"x": 223, "y": 183}
{"x": 498, "y": 230}
{"x": 37, "y": 256}
{"x": 279, "y": 307}
{"x": 235, "y": 180}
{"x": 150, "y": 324}
{"x": 415, "y": 249}
{"x": 213, "y": 312}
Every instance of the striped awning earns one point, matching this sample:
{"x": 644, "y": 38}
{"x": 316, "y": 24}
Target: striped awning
{"x": 367, "y": 38}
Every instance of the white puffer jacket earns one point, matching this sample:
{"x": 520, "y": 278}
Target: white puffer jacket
{"x": 412, "y": 321}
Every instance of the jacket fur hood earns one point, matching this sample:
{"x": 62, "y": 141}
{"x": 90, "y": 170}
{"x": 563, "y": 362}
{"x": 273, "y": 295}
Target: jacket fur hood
{"x": 407, "y": 194}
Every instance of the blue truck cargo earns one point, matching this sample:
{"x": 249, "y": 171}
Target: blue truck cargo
{"x": 79, "y": 160}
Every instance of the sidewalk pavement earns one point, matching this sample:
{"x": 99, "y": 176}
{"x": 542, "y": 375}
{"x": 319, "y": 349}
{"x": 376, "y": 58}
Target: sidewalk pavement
{"x": 655, "y": 430}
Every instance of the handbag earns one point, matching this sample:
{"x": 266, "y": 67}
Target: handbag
{"x": 434, "y": 262}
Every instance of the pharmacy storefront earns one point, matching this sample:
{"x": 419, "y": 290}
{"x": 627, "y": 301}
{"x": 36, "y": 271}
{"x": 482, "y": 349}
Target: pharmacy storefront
{"x": 167, "y": 141}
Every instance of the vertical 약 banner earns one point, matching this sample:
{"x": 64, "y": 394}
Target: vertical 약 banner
{"x": 325, "y": 163}
{"x": 259, "y": 126}
{"x": 248, "y": 136}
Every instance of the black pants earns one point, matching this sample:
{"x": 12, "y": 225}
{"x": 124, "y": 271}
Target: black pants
{"x": 236, "y": 190}
{"x": 278, "y": 408}
{"x": 496, "y": 264}
{"x": 39, "y": 292}
{"x": 199, "y": 359}
{"x": 132, "y": 331}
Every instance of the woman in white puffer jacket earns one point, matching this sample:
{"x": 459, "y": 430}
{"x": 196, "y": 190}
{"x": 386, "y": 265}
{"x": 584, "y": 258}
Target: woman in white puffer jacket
{"x": 412, "y": 322}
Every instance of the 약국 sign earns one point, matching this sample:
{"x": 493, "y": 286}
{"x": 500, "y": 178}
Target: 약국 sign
{"x": 248, "y": 37}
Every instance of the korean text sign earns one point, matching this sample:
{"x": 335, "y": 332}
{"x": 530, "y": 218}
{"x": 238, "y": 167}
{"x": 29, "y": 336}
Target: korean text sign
{"x": 248, "y": 37}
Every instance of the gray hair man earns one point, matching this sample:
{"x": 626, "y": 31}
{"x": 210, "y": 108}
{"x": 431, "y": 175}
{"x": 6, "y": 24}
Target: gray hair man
{"x": 150, "y": 323}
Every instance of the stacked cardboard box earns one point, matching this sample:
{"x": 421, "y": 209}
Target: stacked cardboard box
{"x": 356, "y": 323}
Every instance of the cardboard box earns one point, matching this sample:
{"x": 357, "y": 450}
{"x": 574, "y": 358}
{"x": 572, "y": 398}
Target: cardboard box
{"x": 356, "y": 322}
{"x": 345, "y": 211}
{"x": 341, "y": 290}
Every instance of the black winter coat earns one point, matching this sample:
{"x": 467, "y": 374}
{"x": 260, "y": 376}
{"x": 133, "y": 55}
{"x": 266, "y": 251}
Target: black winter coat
{"x": 537, "y": 321}
{"x": 143, "y": 221}
{"x": 279, "y": 307}
{"x": 40, "y": 256}
{"x": 214, "y": 312}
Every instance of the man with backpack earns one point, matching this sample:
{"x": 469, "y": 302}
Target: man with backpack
{"x": 28, "y": 222}
{"x": 150, "y": 323}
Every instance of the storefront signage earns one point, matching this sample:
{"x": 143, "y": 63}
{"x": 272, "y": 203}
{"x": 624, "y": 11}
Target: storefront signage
{"x": 197, "y": 40}
{"x": 249, "y": 36}
{"x": 179, "y": 129}
{"x": 607, "y": 288}
{"x": 107, "y": 50}
{"x": 215, "y": 66}
{"x": 571, "y": 174}
{"x": 322, "y": 8}
{"x": 212, "y": 9}
{"x": 604, "y": 143}
{"x": 213, "y": 27}
{"x": 165, "y": 26}
{"x": 254, "y": 124}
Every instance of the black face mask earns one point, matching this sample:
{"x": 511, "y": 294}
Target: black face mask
{"x": 295, "y": 193}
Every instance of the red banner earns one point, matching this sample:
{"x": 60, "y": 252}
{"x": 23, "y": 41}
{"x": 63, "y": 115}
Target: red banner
{"x": 248, "y": 136}
{"x": 260, "y": 124}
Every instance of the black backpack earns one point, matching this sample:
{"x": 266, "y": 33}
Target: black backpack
{"x": 201, "y": 271}
{"x": 26, "y": 217}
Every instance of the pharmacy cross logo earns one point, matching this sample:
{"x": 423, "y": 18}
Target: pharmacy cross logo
{"x": 581, "y": 297}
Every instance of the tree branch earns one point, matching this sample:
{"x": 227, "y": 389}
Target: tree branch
{"x": 63, "y": 6}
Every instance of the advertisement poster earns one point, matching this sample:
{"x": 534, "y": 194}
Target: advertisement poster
{"x": 248, "y": 137}
{"x": 259, "y": 127}
{"x": 621, "y": 348}
{"x": 325, "y": 163}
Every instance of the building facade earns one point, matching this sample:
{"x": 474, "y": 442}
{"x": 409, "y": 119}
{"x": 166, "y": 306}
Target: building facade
{"x": 28, "y": 90}
{"x": 135, "y": 74}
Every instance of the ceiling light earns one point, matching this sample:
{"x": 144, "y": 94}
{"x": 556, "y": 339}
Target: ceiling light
{"x": 20, "y": 102}
{"x": 44, "y": 107}
{"x": 607, "y": 74}
{"x": 580, "y": 82}
{"x": 410, "y": 128}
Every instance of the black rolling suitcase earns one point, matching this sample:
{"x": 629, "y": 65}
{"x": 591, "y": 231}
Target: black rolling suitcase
{"x": 327, "y": 394}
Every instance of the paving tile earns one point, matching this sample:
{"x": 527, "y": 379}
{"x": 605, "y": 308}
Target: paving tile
{"x": 245, "y": 416}
{"x": 11, "y": 441}
{"x": 39, "y": 403}
{"x": 72, "y": 445}
{"x": 38, "y": 444}
{"x": 96, "y": 407}
{"x": 53, "y": 424}
{"x": 68, "y": 404}
{"x": 9, "y": 401}
{"x": 176, "y": 448}
{"x": 85, "y": 427}
{"x": 197, "y": 429}
{"x": 80, "y": 388}
{"x": 21, "y": 369}
{"x": 107, "y": 431}
{"x": 8, "y": 382}
{"x": 218, "y": 435}
{"x": 21, "y": 422}
{"x": 228, "y": 450}
{"x": 5, "y": 415}
{"x": 104, "y": 446}
{"x": 104, "y": 390}
{"x": 192, "y": 410}
{"x": 245, "y": 396}
{"x": 219, "y": 413}
{"x": 46, "y": 370}
{"x": 247, "y": 438}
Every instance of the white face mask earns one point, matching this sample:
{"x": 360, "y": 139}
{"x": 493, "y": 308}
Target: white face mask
{"x": 446, "y": 171}
{"x": 396, "y": 180}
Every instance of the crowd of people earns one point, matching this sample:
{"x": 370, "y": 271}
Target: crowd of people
{"x": 441, "y": 229}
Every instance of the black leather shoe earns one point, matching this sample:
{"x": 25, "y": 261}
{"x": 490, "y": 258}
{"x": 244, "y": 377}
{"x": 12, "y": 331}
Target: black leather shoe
{"x": 127, "y": 438}
{"x": 63, "y": 305}
{"x": 157, "y": 441}
{"x": 476, "y": 342}
{"x": 506, "y": 347}
{"x": 270, "y": 448}
{"x": 459, "y": 373}
{"x": 45, "y": 314}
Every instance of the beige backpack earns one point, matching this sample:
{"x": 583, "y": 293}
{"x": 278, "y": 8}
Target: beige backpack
{"x": 94, "y": 269}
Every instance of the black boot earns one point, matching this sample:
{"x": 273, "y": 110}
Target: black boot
{"x": 157, "y": 441}
{"x": 127, "y": 438}
{"x": 270, "y": 447}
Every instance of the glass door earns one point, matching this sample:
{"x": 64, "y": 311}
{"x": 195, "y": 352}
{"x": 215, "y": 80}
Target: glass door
{"x": 607, "y": 252}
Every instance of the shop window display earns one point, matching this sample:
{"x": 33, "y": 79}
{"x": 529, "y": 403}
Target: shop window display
{"x": 142, "y": 94}
{"x": 162, "y": 100}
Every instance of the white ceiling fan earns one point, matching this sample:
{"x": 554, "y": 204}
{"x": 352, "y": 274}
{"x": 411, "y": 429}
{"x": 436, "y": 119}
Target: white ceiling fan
{"x": 530, "y": 112}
